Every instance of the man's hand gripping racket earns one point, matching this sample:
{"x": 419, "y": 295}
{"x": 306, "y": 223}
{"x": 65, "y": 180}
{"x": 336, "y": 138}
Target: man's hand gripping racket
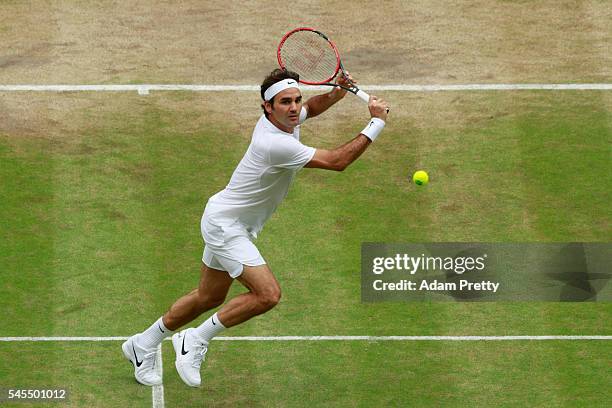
{"x": 313, "y": 56}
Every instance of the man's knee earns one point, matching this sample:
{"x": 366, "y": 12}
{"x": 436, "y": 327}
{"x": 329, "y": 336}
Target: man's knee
{"x": 263, "y": 285}
{"x": 269, "y": 298}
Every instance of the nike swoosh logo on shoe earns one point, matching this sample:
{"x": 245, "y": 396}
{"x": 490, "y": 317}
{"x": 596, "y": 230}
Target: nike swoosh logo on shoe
{"x": 183, "y": 352}
{"x": 138, "y": 363}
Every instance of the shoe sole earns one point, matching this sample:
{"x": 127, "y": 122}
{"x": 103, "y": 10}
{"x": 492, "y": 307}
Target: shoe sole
{"x": 177, "y": 350}
{"x": 128, "y": 355}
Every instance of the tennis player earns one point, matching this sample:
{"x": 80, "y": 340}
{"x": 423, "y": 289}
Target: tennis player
{"x": 234, "y": 216}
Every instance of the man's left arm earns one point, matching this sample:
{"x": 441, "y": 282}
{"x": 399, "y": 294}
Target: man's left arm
{"x": 318, "y": 104}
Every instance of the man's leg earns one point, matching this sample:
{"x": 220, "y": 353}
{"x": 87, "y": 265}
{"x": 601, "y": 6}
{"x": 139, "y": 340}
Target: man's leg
{"x": 191, "y": 345}
{"x": 140, "y": 348}
{"x": 264, "y": 293}
{"x": 211, "y": 292}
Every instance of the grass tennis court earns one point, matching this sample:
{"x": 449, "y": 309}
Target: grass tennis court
{"x": 105, "y": 227}
{"x": 102, "y": 193}
{"x": 561, "y": 373}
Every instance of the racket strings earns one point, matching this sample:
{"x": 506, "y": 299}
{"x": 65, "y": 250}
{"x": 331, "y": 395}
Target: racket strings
{"x": 309, "y": 55}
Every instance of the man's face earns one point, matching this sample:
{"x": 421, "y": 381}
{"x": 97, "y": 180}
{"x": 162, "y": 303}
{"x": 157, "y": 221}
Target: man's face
{"x": 286, "y": 109}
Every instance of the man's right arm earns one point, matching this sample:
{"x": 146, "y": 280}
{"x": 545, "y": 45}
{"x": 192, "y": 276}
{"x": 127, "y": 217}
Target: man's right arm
{"x": 341, "y": 157}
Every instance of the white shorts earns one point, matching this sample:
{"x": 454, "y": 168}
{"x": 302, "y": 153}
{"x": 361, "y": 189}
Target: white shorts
{"x": 228, "y": 246}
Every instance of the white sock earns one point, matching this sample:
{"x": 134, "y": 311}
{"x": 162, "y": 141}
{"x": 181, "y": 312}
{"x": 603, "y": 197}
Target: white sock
{"x": 154, "y": 335}
{"x": 209, "y": 329}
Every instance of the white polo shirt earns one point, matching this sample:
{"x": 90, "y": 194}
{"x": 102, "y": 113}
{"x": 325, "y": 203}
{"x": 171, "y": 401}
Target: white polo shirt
{"x": 262, "y": 179}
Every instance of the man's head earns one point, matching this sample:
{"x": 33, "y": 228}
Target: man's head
{"x": 282, "y": 99}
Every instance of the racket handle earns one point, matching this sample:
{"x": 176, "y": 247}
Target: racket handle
{"x": 363, "y": 96}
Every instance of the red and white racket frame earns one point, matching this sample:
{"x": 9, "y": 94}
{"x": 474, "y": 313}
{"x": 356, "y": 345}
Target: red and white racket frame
{"x": 352, "y": 88}
{"x": 331, "y": 44}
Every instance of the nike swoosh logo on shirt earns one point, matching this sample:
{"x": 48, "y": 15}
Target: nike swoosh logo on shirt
{"x": 183, "y": 352}
{"x": 138, "y": 363}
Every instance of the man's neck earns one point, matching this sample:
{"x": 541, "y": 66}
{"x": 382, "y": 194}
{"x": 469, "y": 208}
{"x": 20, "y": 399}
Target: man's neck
{"x": 276, "y": 123}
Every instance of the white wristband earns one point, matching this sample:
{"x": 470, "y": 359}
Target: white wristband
{"x": 374, "y": 127}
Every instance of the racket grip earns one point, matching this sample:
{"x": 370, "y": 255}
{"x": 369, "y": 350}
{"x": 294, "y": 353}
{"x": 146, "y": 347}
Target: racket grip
{"x": 363, "y": 96}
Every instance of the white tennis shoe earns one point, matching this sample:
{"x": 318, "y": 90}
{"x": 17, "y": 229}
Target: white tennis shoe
{"x": 143, "y": 361}
{"x": 190, "y": 352}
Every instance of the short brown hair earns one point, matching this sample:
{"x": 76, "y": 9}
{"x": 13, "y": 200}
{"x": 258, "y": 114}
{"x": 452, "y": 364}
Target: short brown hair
{"x": 272, "y": 78}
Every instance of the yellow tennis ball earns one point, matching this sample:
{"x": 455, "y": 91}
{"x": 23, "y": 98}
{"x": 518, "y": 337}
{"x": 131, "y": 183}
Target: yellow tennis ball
{"x": 420, "y": 178}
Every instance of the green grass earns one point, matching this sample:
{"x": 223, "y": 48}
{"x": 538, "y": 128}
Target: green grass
{"x": 100, "y": 234}
{"x": 361, "y": 374}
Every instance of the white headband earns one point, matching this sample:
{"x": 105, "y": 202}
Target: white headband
{"x": 280, "y": 86}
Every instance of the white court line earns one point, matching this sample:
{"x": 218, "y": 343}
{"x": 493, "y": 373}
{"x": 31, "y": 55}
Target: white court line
{"x": 336, "y": 338}
{"x": 158, "y": 390}
{"x": 144, "y": 89}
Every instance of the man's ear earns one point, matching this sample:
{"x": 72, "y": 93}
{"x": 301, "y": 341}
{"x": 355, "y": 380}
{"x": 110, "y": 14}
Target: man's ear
{"x": 268, "y": 106}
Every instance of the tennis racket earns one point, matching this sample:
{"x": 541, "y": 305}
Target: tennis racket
{"x": 315, "y": 58}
